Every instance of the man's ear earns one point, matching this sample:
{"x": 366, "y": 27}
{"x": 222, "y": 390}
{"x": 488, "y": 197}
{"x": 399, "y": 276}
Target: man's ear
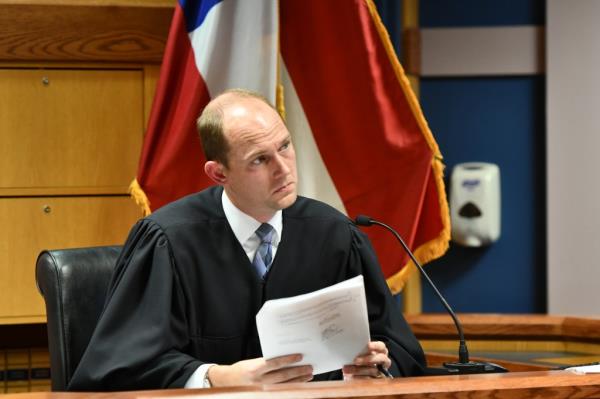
{"x": 216, "y": 171}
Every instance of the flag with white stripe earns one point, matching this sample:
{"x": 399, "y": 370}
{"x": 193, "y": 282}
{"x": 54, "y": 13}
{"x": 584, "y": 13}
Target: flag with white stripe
{"x": 361, "y": 140}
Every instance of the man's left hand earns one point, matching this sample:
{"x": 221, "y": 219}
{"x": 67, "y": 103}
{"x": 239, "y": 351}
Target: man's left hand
{"x": 365, "y": 365}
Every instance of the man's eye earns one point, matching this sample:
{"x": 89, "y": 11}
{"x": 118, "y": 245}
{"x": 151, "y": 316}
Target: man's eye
{"x": 258, "y": 161}
{"x": 284, "y": 147}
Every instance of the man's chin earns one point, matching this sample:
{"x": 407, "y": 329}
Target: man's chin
{"x": 287, "y": 201}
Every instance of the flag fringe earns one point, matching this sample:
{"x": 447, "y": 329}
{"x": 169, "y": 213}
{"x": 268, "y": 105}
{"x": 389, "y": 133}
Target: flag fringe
{"x": 438, "y": 246}
{"x": 279, "y": 92}
{"x": 403, "y": 80}
{"x": 139, "y": 196}
{"x": 279, "y": 99}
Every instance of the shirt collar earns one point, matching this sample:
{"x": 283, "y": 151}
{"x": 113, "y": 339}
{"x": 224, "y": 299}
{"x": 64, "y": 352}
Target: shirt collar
{"x": 244, "y": 226}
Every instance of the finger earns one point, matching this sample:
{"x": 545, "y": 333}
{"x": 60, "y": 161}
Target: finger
{"x": 372, "y": 359}
{"x": 373, "y": 348}
{"x": 377, "y": 346}
{"x": 277, "y": 363}
{"x": 365, "y": 371}
{"x": 350, "y": 377}
{"x": 302, "y": 378}
{"x": 285, "y": 374}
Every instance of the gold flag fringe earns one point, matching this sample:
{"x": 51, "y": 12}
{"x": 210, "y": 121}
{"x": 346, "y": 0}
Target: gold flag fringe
{"x": 139, "y": 196}
{"x": 435, "y": 248}
{"x": 279, "y": 100}
{"x": 432, "y": 249}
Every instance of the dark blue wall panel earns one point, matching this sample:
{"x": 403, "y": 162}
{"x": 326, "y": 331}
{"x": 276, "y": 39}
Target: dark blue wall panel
{"x": 448, "y": 13}
{"x": 390, "y": 12}
{"x": 498, "y": 120}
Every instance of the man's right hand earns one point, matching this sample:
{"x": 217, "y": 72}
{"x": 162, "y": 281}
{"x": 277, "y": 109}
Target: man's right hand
{"x": 260, "y": 371}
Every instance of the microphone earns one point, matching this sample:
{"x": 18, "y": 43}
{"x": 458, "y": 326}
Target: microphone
{"x": 464, "y": 365}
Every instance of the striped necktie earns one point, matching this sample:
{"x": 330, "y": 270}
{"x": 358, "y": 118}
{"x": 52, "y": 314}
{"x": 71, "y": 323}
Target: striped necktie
{"x": 264, "y": 255}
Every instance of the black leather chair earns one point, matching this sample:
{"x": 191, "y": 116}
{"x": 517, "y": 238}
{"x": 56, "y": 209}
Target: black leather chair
{"x": 73, "y": 283}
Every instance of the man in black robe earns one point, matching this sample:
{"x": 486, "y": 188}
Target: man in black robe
{"x": 180, "y": 310}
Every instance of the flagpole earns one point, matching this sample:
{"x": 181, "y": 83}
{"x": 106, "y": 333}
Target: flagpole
{"x": 412, "y": 293}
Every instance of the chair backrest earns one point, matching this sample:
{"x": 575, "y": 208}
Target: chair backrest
{"x": 73, "y": 283}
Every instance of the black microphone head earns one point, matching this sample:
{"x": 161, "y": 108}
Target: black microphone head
{"x": 363, "y": 220}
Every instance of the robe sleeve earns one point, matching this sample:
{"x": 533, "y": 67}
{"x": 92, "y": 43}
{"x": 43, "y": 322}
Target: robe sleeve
{"x": 386, "y": 321}
{"x": 142, "y": 334}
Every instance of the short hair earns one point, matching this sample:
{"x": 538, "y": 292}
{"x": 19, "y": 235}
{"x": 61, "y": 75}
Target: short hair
{"x": 210, "y": 123}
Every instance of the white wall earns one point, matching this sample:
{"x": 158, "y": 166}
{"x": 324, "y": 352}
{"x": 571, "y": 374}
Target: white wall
{"x": 573, "y": 141}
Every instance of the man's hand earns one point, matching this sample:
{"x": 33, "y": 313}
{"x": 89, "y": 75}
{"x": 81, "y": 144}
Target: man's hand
{"x": 365, "y": 365}
{"x": 260, "y": 371}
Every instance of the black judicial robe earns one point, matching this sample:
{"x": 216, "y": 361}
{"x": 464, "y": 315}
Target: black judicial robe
{"x": 184, "y": 293}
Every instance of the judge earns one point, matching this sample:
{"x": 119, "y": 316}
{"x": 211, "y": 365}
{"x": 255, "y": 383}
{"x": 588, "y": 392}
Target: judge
{"x": 180, "y": 310}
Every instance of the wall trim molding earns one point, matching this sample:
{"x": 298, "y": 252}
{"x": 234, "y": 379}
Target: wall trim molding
{"x": 476, "y": 51}
{"x": 97, "y": 31}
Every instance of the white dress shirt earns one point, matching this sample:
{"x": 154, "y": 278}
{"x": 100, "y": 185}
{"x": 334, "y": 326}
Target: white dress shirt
{"x": 244, "y": 228}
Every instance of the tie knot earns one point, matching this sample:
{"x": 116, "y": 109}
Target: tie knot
{"x": 265, "y": 232}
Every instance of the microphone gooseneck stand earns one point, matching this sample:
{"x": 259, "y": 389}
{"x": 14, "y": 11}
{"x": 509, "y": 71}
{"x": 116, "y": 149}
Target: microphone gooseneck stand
{"x": 464, "y": 365}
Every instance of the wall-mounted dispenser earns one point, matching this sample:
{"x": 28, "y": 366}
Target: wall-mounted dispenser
{"x": 475, "y": 203}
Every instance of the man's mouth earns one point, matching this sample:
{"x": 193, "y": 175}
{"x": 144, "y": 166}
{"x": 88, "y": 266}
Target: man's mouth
{"x": 283, "y": 187}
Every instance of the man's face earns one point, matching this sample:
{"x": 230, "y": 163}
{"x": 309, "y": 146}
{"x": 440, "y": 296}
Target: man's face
{"x": 260, "y": 178}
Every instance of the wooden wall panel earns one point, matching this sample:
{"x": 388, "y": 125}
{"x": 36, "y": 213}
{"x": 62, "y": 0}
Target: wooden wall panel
{"x": 30, "y": 225}
{"x": 77, "y": 79}
{"x": 70, "y": 128}
{"x": 114, "y": 31}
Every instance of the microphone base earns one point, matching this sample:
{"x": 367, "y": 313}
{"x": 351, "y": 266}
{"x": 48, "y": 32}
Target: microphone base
{"x": 474, "y": 368}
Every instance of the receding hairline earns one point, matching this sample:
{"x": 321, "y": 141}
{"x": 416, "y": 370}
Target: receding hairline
{"x": 231, "y": 96}
{"x": 211, "y": 123}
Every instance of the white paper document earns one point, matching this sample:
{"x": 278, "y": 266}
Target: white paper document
{"x": 329, "y": 327}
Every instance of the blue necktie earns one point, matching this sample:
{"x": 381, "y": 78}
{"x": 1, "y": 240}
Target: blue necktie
{"x": 264, "y": 256}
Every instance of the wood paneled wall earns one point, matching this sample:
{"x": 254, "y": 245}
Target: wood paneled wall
{"x": 77, "y": 80}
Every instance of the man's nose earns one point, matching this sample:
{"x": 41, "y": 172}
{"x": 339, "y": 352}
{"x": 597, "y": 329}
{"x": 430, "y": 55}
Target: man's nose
{"x": 280, "y": 166}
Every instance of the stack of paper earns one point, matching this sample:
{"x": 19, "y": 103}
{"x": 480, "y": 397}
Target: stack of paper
{"x": 329, "y": 327}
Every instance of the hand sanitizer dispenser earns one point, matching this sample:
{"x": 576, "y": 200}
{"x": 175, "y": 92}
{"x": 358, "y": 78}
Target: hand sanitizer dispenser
{"x": 475, "y": 203}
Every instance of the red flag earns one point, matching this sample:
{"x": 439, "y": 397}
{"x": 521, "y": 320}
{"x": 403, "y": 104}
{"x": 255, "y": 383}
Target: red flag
{"x": 171, "y": 163}
{"x": 368, "y": 126}
{"x": 363, "y": 144}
